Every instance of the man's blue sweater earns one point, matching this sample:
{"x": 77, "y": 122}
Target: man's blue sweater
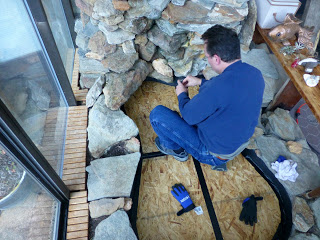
{"x": 227, "y": 107}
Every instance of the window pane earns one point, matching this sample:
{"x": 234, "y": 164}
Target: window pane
{"x": 60, "y": 30}
{"x": 29, "y": 87}
{"x": 27, "y": 210}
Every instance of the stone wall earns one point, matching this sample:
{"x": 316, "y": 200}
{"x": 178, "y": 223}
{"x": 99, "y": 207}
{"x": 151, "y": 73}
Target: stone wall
{"x": 129, "y": 40}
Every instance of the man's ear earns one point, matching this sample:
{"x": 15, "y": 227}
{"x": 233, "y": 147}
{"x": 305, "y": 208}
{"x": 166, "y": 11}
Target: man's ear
{"x": 217, "y": 59}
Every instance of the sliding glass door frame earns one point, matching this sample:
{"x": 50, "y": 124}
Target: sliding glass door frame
{"x": 27, "y": 154}
{"x": 41, "y": 24}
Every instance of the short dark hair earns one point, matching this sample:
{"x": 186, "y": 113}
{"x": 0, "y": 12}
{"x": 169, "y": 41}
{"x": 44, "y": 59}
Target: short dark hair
{"x": 223, "y": 42}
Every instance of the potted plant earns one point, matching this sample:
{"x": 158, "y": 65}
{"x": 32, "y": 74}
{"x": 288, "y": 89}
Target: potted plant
{"x": 14, "y": 181}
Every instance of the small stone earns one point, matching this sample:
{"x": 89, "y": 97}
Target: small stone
{"x": 97, "y": 42}
{"x": 121, "y": 5}
{"x": 178, "y": 2}
{"x": 147, "y": 51}
{"x": 78, "y": 27}
{"x": 302, "y": 215}
{"x": 158, "y": 4}
{"x": 120, "y": 62}
{"x": 109, "y": 48}
{"x": 137, "y": 25}
{"x": 104, "y": 9}
{"x": 161, "y": 66}
{"x": 167, "y": 43}
{"x": 168, "y": 28}
{"x": 89, "y": 30}
{"x": 105, "y": 28}
{"x": 82, "y": 41}
{"x": 141, "y": 8}
{"x": 199, "y": 28}
{"x": 141, "y": 40}
{"x": 198, "y": 65}
{"x": 128, "y": 47}
{"x": 84, "y": 7}
{"x": 181, "y": 68}
{"x": 127, "y": 204}
{"x": 87, "y": 80}
{"x": 249, "y": 25}
{"x": 178, "y": 55}
{"x": 222, "y": 14}
{"x": 95, "y": 91}
{"x": 118, "y": 36}
{"x": 294, "y": 147}
{"x": 87, "y": 65}
{"x": 158, "y": 76}
{"x": 105, "y": 206}
{"x": 94, "y": 56}
{"x": 114, "y": 20}
{"x": 132, "y": 145}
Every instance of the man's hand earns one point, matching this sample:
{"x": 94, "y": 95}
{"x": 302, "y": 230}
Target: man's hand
{"x": 191, "y": 81}
{"x": 180, "y": 88}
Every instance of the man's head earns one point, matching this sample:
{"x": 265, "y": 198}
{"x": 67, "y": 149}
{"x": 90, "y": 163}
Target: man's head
{"x": 222, "y": 47}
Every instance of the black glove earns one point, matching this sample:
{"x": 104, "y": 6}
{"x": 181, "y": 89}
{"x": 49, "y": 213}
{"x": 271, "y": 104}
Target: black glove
{"x": 249, "y": 210}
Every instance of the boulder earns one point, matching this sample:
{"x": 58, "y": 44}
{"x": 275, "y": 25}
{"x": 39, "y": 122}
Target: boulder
{"x": 120, "y": 62}
{"x": 95, "y": 91}
{"x": 112, "y": 177}
{"x": 107, "y": 127}
{"x": 302, "y": 216}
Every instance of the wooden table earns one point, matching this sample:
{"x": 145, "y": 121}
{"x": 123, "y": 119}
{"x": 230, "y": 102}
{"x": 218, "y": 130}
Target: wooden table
{"x": 292, "y": 91}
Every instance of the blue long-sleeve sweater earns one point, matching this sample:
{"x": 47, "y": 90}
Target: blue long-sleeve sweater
{"x": 227, "y": 107}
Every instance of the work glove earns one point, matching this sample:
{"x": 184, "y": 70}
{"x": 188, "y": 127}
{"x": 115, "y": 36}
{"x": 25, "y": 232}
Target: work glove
{"x": 181, "y": 194}
{"x": 249, "y": 210}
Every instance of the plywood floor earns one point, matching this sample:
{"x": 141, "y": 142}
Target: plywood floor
{"x": 157, "y": 207}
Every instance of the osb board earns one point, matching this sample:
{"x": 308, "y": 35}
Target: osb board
{"x": 268, "y": 215}
{"x": 157, "y": 208}
{"x": 227, "y": 191}
{"x": 140, "y": 104}
{"x": 310, "y": 94}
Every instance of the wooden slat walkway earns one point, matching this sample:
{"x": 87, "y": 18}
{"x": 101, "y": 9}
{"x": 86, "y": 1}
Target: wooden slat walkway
{"x": 78, "y": 217}
{"x": 80, "y": 94}
{"x": 74, "y": 172}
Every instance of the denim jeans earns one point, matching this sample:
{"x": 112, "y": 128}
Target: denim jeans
{"x": 174, "y": 132}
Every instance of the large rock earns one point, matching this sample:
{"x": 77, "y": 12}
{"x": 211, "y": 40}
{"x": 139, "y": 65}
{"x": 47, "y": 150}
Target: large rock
{"x": 120, "y": 62}
{"x": 260, "y": 59}
{"x": 281, "y": 124}
{"x": 112, "y": 177}
{"x": 198, "y": 65}
{"x": 141, "y": 8}
{"x": 167, "y": 43}
{"x": 119, "y": 87}
{"x": 205, "y": 3}
{"x": 190, "y": 13}
{"x": 181, "y": 68}
{"x": 106, "y": 127}
{"x": 307, "y": 163}
{"x": 82, "y": 41}
{"x": 87, "y": 65}
{"x": 199, "y": 28}
{"x": 178, "y": 55}
{"x": 128, "y": 47}
{"x": 89, "y": 30}
{"x": 168, "y": 28}
{"x": 105, "y": 206}
{"x": 161, "y": 77}
{"x": 269, "y": 90}
{"x": 248, "y": 26}
{"x": 84, "y": 7}
{"x": 302, "y": 215}
{"x": 222, "y": 14}
{"x": 115, "y": 227}
{"x": 315, "y": 206}
{"x": 136, "y": 25}
{"x": 95, "y": 91}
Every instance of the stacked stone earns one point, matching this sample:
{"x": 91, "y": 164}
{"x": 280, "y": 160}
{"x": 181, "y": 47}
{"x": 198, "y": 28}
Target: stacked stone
{"x": 116, "y": 37}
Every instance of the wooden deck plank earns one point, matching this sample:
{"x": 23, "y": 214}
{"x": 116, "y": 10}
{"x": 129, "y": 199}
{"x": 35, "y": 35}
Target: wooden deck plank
{"x": 78, "y": 194}
{"x": 69, "y": 177}
{"x": 78, "y": 220}
{"x": 78, "y": 200}
{"x": 77, "y": 207}
{"x": 76, "y": 214}
{"x": 77, "y": 227}
{"x": 77, "y": 187}
{"x": 75, "y": 181}
{"x": 74, "y": 171}
{"x": 73, "y": 235}
{"x": 73, "y": 165}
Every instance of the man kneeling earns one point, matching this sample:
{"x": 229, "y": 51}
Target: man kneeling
{"x": 217, "y": 123}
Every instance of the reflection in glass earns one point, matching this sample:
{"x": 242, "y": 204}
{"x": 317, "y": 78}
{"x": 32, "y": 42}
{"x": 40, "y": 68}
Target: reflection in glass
{"x": 29, "y": 87}
{"x": 27, "y": 210}
{"x": 60, "y": 30}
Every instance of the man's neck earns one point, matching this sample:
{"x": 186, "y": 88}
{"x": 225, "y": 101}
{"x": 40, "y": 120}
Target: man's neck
{"x": 227, "y": 64}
